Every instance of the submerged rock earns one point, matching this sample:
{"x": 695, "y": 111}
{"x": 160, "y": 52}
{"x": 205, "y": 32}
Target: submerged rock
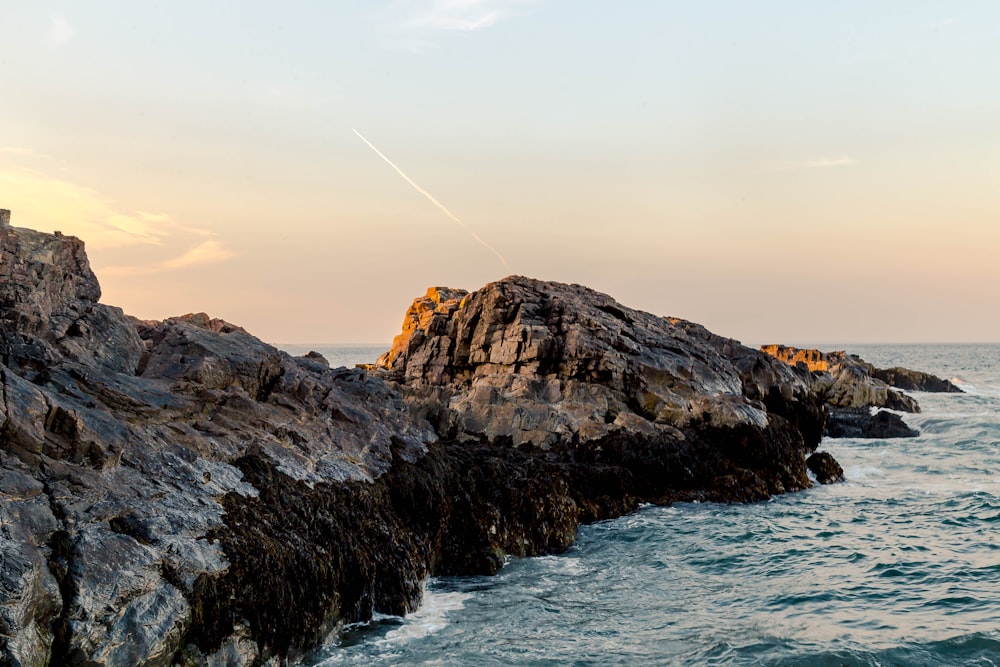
{"x": 825, "y": 467}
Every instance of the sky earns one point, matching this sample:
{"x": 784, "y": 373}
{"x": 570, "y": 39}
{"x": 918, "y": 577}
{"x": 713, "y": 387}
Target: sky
{"x": 779, "y": 171}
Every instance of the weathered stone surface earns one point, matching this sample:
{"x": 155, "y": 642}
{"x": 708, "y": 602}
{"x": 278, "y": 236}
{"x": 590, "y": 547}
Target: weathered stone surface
{"x": 825, "y": 467}
{"x": 542, "y": 363}
{"x": 851, "y": 387}
{"x": 569, "y": 371}
{"x": 844, "y": 380}
{"x": 180, "y": 492}
{"x": 119, "y": 443}
{"x": 911, "y": 380}
{"x": 863, "y": 422}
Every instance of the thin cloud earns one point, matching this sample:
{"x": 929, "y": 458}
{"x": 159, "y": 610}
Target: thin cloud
{"x": 944, "y": 24}
{"x": 42, "y": 202}
{"x": 48, "y": 203}
{"x": 207, "y": 252}
{"x": 452, "y": 15}
{"x": 60, "y": 31}
{"x": 830, "y": 162}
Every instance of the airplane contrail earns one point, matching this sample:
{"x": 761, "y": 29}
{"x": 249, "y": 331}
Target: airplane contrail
{"x": 433, "y": 200}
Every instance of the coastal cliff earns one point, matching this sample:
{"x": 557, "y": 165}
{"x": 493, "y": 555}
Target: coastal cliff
{"x": 180, "y": 492}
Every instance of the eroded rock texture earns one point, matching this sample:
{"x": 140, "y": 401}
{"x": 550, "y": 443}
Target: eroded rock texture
{"x": 180, "y": 492}
{"x": 857, "y": 394}
{"x": 677, "y": 410}
{"x": 124, "y": 444}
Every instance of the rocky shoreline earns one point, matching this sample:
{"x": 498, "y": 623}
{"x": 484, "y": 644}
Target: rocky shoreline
{"x": 180, "y": 492}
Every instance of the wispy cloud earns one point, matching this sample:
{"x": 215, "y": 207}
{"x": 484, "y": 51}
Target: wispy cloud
{"x": 60, "y": 31}
{"x": 46, "y": 203}
{"x": 49, "y": 203}
{"x": 943, "y": 23}
{"x": 411, "y": 22}
{"x": 207, "y": 252}
{"x": 830, "y": 162}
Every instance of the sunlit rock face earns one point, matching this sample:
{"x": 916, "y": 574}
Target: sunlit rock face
{"x": 561, "y": 367}
{"x": 852, "y": 387}
{"x": 541, "y": 363}
{"x": 180, "y": 492}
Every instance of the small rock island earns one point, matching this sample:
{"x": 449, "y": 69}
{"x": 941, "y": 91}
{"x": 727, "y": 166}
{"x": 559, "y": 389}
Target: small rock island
{"x": 180, "y": 492}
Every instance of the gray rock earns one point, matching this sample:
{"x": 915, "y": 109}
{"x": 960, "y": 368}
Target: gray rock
{"x": 181, "y": 492}
{"x": 545, "y": 363}
{"x": 118, "y": 441}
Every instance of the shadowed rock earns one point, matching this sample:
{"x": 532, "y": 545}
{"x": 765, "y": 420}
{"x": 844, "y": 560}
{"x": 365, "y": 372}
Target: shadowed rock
{"x": 180, "y": 492}
{"x": 825, "y": 467}
{"x": 850, "y": 387}
{"x": 864, "y": 423}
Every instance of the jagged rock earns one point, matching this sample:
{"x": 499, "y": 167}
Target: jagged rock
{"x": 119, "y": 443}
{"x": 825, "y": 467}
{"x": 567, "y": 370}
{"x": 851, "y": 387}
{"x": 180, "y": 492}
{"x": 863, "y": 423}
{"x": 844, "y": 380}
{"x": 911, "y": 380}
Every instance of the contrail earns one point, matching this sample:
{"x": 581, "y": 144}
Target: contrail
{"x": 433, "y": 201}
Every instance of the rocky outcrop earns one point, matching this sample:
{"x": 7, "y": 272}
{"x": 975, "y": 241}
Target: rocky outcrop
{"x": 124, "y": 448}
{"x": 825, "y": 467}
{"x": 865, "y": 422}
{"x": 911, "y": 380}
{"x": 180, "y": 492}
{"x": 570, "y": 372}
{"x": 852, "y": 387}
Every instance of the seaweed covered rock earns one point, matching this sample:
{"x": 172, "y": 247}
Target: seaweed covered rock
{"x": 180, "y": 492}
{"x": 825, "y": 467}
{"x": 566, "y": 370}
{"x": 120, "y": 451}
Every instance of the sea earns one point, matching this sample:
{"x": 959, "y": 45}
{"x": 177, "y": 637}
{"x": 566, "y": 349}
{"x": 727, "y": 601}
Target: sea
{"x": 899, "y": 565}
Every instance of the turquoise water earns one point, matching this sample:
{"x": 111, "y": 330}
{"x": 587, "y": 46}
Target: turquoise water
{"x": 900, "y": 565}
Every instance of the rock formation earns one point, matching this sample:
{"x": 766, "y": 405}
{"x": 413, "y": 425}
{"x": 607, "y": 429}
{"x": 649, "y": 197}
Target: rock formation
{"x": 570, "y": 372}
{"x": 180, "y": 492}
{"x": 124, "y": 448}
{"x": 857, "y": 394}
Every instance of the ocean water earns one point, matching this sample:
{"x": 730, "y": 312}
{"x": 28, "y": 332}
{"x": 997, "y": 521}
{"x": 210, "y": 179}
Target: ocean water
{"x": 339, "y": 355}
{"x": 899, "y": 565}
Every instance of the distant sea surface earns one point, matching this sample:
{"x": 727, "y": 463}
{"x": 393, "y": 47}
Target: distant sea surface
{"x": 340, "y": 355}
{"x": 900, "y": 565}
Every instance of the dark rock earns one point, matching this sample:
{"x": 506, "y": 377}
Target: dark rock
{"x": 911, "y": 380}
{"x": 863, "y": 423}
{"x": 825, "y": 467}
{"x": 850, "y": 387}
{"x": 181, "y": 492}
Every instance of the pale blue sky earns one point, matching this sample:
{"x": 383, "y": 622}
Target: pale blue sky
{"x": 778, "y": 171}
